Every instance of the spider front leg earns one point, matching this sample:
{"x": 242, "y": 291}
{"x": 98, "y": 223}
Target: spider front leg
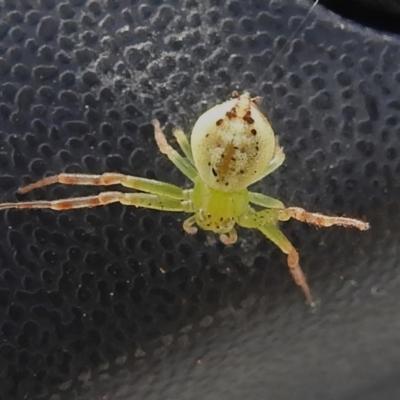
{"x": 160, "y": 196}
{"x": 108, "y": 179}
{"x": 144, "y": 200}
{"x": 182, "y": 163}
{"x": 321, "y": 220}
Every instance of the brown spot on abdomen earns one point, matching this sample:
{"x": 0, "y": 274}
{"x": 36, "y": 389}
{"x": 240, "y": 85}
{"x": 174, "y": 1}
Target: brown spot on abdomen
{"x": 232, "y": 114}
{"x": 227, "y": 158}
{"x": 248, "y": 119}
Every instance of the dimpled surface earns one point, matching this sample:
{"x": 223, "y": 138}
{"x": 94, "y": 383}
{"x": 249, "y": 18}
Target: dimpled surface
{"x": 119, "y": 303}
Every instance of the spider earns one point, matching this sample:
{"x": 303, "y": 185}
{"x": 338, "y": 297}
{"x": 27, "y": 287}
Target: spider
{"x": 232, "y": 146}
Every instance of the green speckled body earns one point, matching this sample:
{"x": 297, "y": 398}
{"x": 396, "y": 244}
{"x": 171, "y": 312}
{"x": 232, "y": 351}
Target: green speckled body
{"x": 215, "y": 210}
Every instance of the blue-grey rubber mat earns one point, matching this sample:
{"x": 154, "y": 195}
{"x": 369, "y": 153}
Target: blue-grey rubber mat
{"x": 119, "y": 303}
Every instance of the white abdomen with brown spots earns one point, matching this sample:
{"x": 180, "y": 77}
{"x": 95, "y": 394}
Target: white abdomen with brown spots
{"x": 233, "y": 144}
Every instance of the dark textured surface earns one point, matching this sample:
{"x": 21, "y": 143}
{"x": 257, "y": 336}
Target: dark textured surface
{"x": 382, "y": 15}
{"x": 118, "y": 303}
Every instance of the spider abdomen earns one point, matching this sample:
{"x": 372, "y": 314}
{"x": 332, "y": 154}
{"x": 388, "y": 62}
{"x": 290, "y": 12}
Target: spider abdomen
{"x": 232, "y": 144}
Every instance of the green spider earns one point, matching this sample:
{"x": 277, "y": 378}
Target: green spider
{"x": 232, "y": 146}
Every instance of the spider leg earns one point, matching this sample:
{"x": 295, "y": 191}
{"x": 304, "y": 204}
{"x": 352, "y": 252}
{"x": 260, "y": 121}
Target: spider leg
{"x": 321, "y": 220}
{"x": 180, "y": 162}
{"x": 276, "y": 236}
{"x": 264, "y": 201}
{"x": 188, "y": 225}
{"x": 276, "y": 162}
{"x": 265, "y": 221}
{"x": 107, "y": 179}
{"x": 229, "y": 238}
{"x": 143, "y": 200}
{"x": 184, "y": 144}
